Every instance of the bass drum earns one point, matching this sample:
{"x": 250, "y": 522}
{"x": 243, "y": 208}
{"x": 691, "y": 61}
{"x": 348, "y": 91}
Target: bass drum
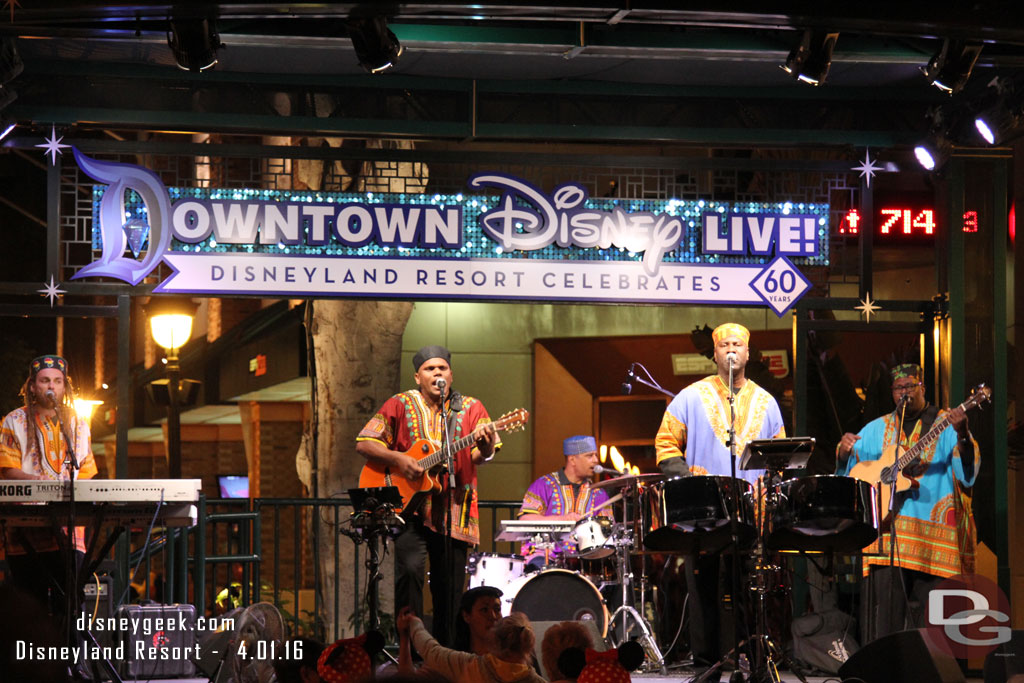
{"x": 557, "y": 595}
{"x": 824, "y": 512}
{"x": 492, "y": 569}
{"x": 692, "y": 514}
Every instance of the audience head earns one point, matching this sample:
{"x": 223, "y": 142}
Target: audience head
{"x": 514, "y": 638}
{"x": 563, "y": 635}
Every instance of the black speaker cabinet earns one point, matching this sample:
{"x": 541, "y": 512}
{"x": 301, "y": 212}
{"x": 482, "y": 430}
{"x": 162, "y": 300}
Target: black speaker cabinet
{"x": 901, "y": 657}
{"x": 1005, "y": 664}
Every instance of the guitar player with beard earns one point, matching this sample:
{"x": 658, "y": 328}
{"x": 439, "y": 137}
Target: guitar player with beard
{"x": 385, "y": 441}
{"x": 934, "y": 527}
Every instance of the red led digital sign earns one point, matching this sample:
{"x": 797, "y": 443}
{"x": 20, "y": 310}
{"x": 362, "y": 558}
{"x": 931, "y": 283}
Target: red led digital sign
{"x": 896, "y": 224}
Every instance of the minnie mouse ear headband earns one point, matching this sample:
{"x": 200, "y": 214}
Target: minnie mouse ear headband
{"x": 611, "y": 666}
{"x": 349, "y": 660}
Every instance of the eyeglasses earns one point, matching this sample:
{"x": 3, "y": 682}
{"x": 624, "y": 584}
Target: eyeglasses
{"x": 905, "y": 388}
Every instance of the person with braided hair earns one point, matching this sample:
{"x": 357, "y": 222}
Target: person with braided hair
{"x": 35, "y": 441}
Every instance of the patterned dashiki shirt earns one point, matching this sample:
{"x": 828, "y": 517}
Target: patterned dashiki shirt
{"x": 404, "y": 419}
{"x": 696, "y": 426}
{"x": 18, "y": 452}
{"x": 935, "y": 531}
{"x": 554, "y": 494}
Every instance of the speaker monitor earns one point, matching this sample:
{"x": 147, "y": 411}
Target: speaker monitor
{"x": 1005, "y": 664}
{"x": 541, "y": 627}
{"x": 900, "y": 657}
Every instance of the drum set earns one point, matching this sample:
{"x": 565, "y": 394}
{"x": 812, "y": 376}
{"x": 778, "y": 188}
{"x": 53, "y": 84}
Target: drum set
{"x": 603, "y": 558}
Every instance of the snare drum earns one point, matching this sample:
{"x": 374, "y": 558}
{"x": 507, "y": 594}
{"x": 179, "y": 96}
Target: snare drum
{"x": 593, "y": 536}
{"x": 491, "y": 569}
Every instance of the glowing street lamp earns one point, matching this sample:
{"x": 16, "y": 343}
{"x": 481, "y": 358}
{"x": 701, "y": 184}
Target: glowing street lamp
{"x": 170, "y": 321}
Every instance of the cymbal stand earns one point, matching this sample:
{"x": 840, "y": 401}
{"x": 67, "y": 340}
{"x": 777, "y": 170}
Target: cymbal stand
{"x": 625, "y": 573}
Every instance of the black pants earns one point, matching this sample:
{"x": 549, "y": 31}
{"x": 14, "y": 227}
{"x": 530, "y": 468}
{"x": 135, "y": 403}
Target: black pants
{"x": 412, "y": 548}
{"x": 42, "y": 576}
{"x": 894, "y": 599}
{"x": 712, "y": 623}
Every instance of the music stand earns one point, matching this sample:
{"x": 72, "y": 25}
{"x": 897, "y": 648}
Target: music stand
{"x": 776, "y": 455}
{"x": 374, "y": 516}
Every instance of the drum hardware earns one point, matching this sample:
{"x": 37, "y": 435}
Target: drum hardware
{"x": 624, "y": 543}
{"x": 374, "y": 516}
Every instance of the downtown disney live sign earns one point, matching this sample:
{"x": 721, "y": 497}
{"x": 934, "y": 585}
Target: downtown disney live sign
{"x": 521, "y": 244}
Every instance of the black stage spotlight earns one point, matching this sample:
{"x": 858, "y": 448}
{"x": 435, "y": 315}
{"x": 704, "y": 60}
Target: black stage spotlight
{"x": 946, "y": 125}
{"x": 810, "y": 60}
{"x": 1001, "y": 119}
{"x": 376, "y": 46}
{"x": 194, "y": 42}
{"x": 951, "y": 66}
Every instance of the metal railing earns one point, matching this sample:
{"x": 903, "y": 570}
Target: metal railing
{"x": 198, "y": 564}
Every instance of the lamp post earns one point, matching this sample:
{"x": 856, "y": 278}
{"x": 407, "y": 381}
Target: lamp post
{"x": 170, "y": 321}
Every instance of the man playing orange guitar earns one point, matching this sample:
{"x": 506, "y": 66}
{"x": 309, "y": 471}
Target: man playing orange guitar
{"x": 399, "y": 423}
{"x": 934, "y": 528}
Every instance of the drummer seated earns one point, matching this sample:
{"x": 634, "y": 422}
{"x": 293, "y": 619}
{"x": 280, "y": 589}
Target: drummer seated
{"x": 566, "y": 495}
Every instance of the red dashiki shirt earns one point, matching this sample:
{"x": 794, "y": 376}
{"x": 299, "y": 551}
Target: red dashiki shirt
{"x": 405, "y": 418}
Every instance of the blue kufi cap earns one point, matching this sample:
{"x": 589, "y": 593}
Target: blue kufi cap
{"x": 577, "y": 445}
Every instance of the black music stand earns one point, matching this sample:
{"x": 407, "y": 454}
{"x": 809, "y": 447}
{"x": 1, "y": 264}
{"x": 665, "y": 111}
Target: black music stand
{"x": 776, "y": 455}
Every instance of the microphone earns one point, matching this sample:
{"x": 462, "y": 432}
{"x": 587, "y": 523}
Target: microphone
{"x": 627, "y": 386}
{"x": 731, "y": 357}
{"x": 903, "y": 400}
{"x": 441, "y": 384}
{"x": 51, "y": 397}
{"x": 598, "y": 469}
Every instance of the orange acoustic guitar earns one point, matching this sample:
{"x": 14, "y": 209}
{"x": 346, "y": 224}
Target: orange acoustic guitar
{"x": 881, "y": 472}
{"x": 432, "y": 457}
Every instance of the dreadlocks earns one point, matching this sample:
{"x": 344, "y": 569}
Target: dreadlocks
{"x": 66, "y": 411}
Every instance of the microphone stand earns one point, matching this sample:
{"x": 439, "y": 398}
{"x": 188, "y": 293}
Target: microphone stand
{"x": 631, "y": 376}
{"x": 70, "y": 464}
{"x": 901, "y": 409}
{"x": 449, "y": 554}
{"x": 734, "y": 525}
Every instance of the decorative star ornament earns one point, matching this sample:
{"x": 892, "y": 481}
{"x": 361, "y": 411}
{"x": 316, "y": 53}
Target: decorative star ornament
{"x": 12, "y": 4}
{"x": 53, "y": 145}
{"x": 867, "y": 168}
{"x": 51, "y": 291}
{"x": 867, "y": 306}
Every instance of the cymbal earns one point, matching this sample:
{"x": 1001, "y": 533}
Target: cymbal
{"x": 627, "y": 480}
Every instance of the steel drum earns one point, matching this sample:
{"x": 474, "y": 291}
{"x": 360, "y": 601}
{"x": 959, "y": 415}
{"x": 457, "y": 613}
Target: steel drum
{"x": 822, "y": 513}
{"x": 691, "y": 514}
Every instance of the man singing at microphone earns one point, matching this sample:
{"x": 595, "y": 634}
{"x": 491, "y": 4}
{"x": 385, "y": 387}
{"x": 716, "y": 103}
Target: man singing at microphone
{"x": 934, "y": 527}
{"x": 693, "y": 440}
{"x": 401, "y": 421}
{"x": 565, "y": 494}
{"x": 35, "y": 442}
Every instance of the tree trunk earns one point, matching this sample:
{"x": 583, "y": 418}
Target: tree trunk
{"x": 358, "y": 348}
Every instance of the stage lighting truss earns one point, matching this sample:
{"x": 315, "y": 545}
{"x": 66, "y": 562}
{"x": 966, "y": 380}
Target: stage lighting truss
{"x": 194, "y": 42}
{"x": 376, "y": 46}
{"x": 999, "y": 119}
{"x": 950, "y": 67}
{"x": 810, "y": 60}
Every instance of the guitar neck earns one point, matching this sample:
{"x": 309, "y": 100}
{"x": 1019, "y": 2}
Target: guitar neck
{"x": 914, "y": 451}
{"x": 441, "y": 454}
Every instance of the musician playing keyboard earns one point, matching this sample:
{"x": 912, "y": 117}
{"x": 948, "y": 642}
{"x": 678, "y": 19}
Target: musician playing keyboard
{"x": 401, "y": 421}
{"x": 934, "y": 525}
{"x": 33, "y": 445}
{"x": 565, "y": 494}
